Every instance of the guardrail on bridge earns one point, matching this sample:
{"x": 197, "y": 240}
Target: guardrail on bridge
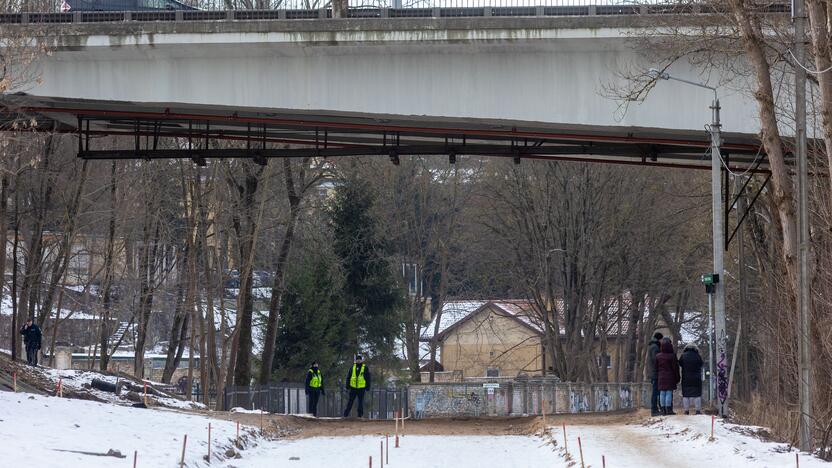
{"x": 210, "y": 10}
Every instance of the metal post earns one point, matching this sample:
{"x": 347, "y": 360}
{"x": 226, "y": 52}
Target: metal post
{"x": 803, "y": 297}
{"x": 719, "y": 268}
{"x": 711, "y": 374}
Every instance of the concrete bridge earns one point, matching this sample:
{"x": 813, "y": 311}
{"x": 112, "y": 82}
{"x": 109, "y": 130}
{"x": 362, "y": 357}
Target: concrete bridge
{"x": 532, "y": 69}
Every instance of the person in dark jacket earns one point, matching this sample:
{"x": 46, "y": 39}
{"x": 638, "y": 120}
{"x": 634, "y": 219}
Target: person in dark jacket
{"x": 357, "y": 382}
{"x": 314, "y": 388}
{"x": 652, "y": 351}
{"x": 667, "y": 374}
{"x": 691, "y": 364}
{"x": 31, "y": 338}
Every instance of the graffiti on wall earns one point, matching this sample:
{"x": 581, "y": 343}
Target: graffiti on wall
{"x": 578, "y": 402}
{"x": 432, "y": 401}
{"x": 603, "y": 402}
{"x": 625, "y": 397}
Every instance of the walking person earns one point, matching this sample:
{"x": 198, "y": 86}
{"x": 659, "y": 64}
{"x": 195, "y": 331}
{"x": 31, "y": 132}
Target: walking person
{"x": 691, "y": 364}
{"x": 31, "y": 338}
{"x": 314, "y": 388}
{"x": 652, "y": 351}
{"x": 357, "y": 382}
{"x": 667, "y": 373}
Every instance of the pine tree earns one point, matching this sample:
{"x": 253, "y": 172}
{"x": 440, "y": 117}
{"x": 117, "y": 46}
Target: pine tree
{"x": 372, "y": 295}
{"x": 313, "y": 323}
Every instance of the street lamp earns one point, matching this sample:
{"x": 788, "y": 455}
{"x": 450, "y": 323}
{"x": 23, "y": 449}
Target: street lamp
{"x": 718, "y": 242}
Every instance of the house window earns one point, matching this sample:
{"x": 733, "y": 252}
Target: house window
{"x": 604, "y": 361}
{"x": 492, "y": 372}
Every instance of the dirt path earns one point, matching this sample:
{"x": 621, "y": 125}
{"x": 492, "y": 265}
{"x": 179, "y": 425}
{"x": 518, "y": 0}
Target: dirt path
{"x": 302, "y": 427}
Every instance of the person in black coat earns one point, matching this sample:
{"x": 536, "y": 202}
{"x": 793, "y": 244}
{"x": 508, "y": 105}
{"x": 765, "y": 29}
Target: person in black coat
{"x": 356, "y": 383}
{"x": 691, "y": 365}
{"x": 314, "y": 388}
{"x": 31, "y": 338}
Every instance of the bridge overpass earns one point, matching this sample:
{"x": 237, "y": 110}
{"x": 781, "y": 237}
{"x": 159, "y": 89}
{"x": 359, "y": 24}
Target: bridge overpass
{"x": 527, "y": 69}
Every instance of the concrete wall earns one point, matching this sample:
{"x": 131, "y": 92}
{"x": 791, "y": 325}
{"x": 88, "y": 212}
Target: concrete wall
{"x": 518, "y": 397}
{"x": 490, "y": 339}
{"x": 529, "y": 69}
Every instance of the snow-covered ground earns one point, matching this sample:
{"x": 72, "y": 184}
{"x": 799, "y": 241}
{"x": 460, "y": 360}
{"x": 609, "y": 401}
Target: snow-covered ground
{"x": 49, "y": 432}
{"x": 52, "y": 432}
{"x": 677, "y": 442}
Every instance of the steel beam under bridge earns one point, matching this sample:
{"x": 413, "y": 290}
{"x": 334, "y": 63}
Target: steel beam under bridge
{"x": 163, "y": 131}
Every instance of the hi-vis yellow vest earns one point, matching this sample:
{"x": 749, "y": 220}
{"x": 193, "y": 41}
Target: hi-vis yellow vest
{"x": 357, "y": 378}
{"x": 315, "y": 382}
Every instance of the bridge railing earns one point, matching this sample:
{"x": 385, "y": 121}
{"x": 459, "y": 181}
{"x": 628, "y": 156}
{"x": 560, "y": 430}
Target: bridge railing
{"x": 49, "y": 11}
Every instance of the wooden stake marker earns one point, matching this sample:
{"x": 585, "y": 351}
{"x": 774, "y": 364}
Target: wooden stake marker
{"x": 565, "y": 447}
{"x": 603, "y": 462}
{"x": 184, "y": 444}
{"x": 371, "y": 461}
{"x": 145, "y": 393}
{"x": 380, "y": 453}
{"x": 581, "y": 450}
{"x": 713, "y": 419}
{"x": 209, "y": 442}
{"x": 238, "y": 434}
{"x": 135, "y": 457}
{"x": 387, "y": 447}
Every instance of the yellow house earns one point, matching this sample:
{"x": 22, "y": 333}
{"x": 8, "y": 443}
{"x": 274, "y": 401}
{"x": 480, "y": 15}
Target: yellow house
{"x": 488, "y": 339}
{"x": 503, "y": 338}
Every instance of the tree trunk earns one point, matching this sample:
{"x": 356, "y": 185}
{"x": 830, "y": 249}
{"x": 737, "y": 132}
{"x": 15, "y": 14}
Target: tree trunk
{"x": 247, "y": 240}
{"x": 61, "y": 261}
{"x": 108, "y": 272}
{"x": 4, "y": 238}
{"x": 280, "y": 273}
{"x": 820, "y": 32}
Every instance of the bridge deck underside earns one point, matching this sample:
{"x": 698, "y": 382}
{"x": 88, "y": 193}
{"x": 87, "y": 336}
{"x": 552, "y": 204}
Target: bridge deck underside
{"x": 160, "y": 130}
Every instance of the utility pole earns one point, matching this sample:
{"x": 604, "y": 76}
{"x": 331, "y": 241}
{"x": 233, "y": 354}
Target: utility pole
{"x": 721, "y": 340}
{"x": 803, "y": 317}
{"x": 717, "y": 207}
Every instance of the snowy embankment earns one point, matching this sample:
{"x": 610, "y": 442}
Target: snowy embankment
{"x": 677, "y": 442}
{"x": 42, "y": 431}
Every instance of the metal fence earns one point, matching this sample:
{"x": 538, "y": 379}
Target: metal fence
{"x": 245, "y": 10}
{"x": 379, "y": 403}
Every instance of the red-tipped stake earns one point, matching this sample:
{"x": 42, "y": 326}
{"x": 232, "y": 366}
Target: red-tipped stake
{"x": 184, "y": 443}
{"x": 713, "y": 418}
{"x": 238, "y": 434}
{"x": 261, "y": 421}
{"x": 135, "y": 457}
{"x": 581, "y": 450}
{"x": 603, "y": 462}
{"x": 380, "y": 453}
{"x": 565, "y": 448}
{"x": 145, "y": 393}
{"x": 209, "y": 442}
{"x": 371, "y": 461}
{"x": 397, "y": 441}
{"x": 797, "y": 460}
{"x": 387, "y": 447}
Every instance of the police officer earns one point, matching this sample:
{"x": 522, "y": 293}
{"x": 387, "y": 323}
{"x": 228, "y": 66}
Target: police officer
{"x": 357, "y": 382}
{"x": 314, "y": 388}
{"x": 31, "y": 338}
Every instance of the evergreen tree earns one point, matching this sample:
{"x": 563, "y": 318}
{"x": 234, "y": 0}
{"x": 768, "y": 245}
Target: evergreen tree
{"x": 313, "y": 324}
{"x": 371, "y": 292}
